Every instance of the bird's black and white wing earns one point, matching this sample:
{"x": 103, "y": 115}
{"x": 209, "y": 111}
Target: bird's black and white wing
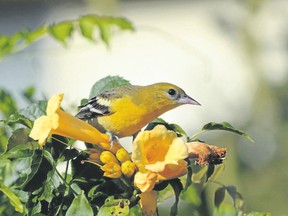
{"x": 95, "y": 107}
{"x": 100, "y": 105}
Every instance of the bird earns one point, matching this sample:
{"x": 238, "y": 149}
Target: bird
{"x": 123, "y": 111}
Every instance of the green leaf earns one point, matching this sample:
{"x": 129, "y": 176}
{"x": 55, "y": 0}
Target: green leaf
{"x": 107, "y": 83}
{"x": 31, "y": 36}
{"x": 177, "y": 129}
{"x": 69, "y": 154}
{"x": 87, "y": 25}
{"x": 3, "y": 139}
{"x": 191, "y": 195}
{"x": 34, "y": 110}
{"x": 49, "y": 181}
{"x": 104, "y": 24}
{"x": 222, "y": 126}
{"x": 14, "y": 200}
{"x": 210, "y": 171}
{"x": 117, "y": 207}
{"x": 135, "y": 211}
{"x": 258, "y": 214}
{"x": 177, "y": 187}
{"x": 189, "y": 175}
{"x": 17, "y": 118}
{"x": 7, "y": 103}
{"x": 62, "y": 31}
{"x": 225, "y": 210}
{"x": 80, "y": 206}
{"x": 28, "y": 167}
{"x": 29, "y": 93}
{"x": 232, "y": 191}
{"x": 18, "y": 137}
{"x": 219, "y": 196}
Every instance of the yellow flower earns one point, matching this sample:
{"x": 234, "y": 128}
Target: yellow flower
{"x": 59, "y": 122}
{"x": 112, "y": 170}
{"x": 128, "y": 168}
{"x": 145, "y": 181}
{"x": 107, "y": 156}
{"x": 122, "y": 155}
{"x": 159, "y": 151}
{"x": 148, "y": 203}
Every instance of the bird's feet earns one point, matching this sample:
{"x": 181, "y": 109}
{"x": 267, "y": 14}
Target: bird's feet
{"x": 112, "y": 138}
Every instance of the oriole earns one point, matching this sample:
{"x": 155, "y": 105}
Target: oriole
{"x": 124, "y": 110}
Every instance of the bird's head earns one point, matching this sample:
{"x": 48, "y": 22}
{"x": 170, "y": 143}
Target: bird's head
{"x": 169, "y": 93}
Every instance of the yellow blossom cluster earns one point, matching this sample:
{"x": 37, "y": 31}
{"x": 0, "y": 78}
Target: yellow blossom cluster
{"x": 116, "y": 165}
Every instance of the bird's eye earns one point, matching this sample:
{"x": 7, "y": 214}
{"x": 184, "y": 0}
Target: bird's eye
{"x": 172, "y": 92}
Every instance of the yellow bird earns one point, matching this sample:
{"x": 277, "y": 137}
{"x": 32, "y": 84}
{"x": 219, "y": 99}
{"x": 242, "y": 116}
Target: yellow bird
{"x": 124, "y": 110}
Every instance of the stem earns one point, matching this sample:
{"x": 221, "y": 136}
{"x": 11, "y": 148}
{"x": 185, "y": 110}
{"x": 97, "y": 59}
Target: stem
{"x": 197, "y": 134}
{"x": 65, "y": 182}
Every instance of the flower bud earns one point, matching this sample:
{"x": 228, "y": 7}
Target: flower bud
{"x": 112, "y": 170}
{"x": 94, "y": 155}
{"x": 128, "y": 168}
{"x": 122, "y": 155}
{"x": 107, "y": 156}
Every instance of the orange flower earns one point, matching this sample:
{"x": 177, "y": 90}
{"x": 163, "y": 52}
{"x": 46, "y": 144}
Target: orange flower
{"x": 161, "y": 152}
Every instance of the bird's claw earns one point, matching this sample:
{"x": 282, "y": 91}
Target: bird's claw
{"x": 112, "y": 138}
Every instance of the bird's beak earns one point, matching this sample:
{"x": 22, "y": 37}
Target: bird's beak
{"x": 188, "y": 100}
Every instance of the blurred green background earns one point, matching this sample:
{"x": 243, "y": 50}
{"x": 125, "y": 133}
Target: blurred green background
{"x": 231, "y": 56}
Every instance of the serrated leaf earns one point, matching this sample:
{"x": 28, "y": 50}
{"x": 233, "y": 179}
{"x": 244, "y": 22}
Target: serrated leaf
{"x": 232, "y": 191}
{"x": 219, "y": 196}
{"x": 80, "y": 206}
{"x": 223, "y": 126}
{"x": 107, "y": 83}
{"x": 14, "y": 200}
{"x": 62, "y": 31}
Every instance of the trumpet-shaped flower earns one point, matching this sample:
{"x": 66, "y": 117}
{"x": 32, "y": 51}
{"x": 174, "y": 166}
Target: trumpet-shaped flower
{"x": 159, "y": 151}
{"x": 59, "y": 122}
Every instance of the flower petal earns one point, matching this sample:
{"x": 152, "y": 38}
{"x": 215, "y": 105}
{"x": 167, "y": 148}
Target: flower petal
{"x": 145, "y": 181}
{"x": 41, "y": 129}
{"x": 148, "y": 203}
